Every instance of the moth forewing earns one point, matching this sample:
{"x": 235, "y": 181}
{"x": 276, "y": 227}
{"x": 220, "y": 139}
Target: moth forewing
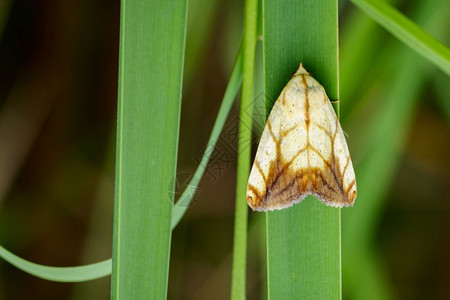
{"x": 302, "y": 151}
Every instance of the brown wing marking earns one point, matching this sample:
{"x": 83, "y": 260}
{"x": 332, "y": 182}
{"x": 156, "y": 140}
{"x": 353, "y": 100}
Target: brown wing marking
{"x": 306, "y": 100}
{"x": 322, "y": 128}
{"x": 269, "y": 126}
{"x": 258, "y": 166}
{"x": 346, "y": 164}
{"x": 353, "y": 195}
{"x": 283, "y": 100}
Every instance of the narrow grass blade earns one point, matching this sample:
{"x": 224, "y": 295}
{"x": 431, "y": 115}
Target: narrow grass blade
{"x": 303, "y": 241}
{"x": 407, "y": 31}
{"x": 244, "y": 151}
{"x": 183, "y": 203}
{"x": 62, "y": 274}
{"x": 152, "y": 43}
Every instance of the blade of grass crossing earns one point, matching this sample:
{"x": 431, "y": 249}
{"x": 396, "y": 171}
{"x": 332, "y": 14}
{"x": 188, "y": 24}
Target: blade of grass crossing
{"x": 228, "y": 99}
{"x": 361, "y": 39}
{"x": 303, "y": 242}
{"x": 152, "y": 40}
{"x": 245, "y": 136}
{"x": 407, "y": 31}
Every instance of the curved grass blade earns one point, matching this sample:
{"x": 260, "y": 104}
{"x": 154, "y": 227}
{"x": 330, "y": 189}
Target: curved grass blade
{"x": 61, "y": 274}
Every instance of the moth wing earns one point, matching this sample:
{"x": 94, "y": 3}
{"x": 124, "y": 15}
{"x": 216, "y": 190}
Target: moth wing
{"x": 302, "y": 151}
{"x": 283, "y": 140}
{"x": 332, "y": 177}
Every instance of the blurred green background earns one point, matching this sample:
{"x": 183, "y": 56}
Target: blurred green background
{"x": 58, "y": 94}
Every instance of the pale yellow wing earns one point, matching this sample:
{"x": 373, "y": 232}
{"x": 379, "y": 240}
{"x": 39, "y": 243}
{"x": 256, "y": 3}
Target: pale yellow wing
{"x": 302, "y": 151}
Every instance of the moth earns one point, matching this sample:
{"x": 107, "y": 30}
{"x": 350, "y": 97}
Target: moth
{"x": 302, "y": 151}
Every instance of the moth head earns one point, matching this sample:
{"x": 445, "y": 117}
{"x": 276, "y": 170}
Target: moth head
{"x": 301, "y": 70}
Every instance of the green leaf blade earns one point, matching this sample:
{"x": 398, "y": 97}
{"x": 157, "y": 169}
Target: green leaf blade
{"x": 304, "y": 240}
{"x": 150, "y": 78}
{"x": 238, "y": 280}
{"x": 304, "y": 251}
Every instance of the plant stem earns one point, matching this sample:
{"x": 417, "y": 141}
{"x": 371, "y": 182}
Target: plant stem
{"x": 244, "y": 151}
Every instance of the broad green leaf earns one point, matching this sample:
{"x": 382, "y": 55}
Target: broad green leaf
{"x": 152, "y": 39}
{"x": 304, "y": 258}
